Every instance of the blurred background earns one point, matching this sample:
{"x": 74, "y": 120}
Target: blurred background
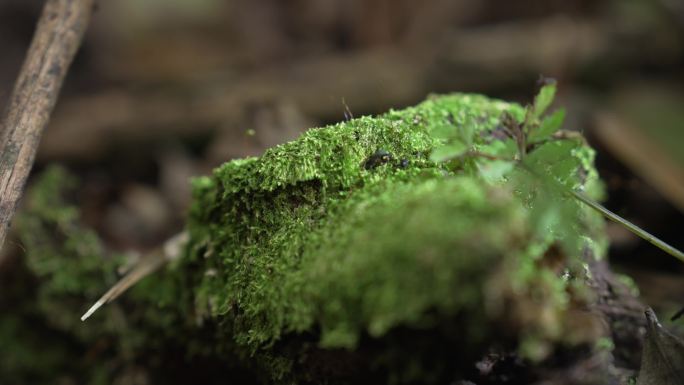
{"x": 163, "y": 90}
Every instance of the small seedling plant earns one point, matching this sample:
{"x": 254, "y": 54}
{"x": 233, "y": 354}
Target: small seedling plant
{"x": 544, "y": 164}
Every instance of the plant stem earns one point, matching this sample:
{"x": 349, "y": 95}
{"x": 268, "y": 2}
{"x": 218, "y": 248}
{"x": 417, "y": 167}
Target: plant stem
{"x": 652, "y": 239}
{"x": 629, "y": 225}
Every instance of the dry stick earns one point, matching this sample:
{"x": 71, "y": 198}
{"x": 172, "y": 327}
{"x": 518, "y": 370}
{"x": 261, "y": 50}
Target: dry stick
{"x": 58, "y": 35}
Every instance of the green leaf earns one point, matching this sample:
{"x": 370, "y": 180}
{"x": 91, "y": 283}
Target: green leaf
{"x": 539, "y": 183}
{"x": 506, "y": 148}
{"x": 569, "y": 225}
{"x": 494, "y": 171}
{"x": 467, "y": 134}
{"x": 555, "y": 159}
{"x": 552, "y": 214}
{"x": 448, "y": 133}
{"x": 443, "y": 132}
{"x": 548, "y": 126}
{"x": 451, "y": 150}
{"x": 543, "y": 100}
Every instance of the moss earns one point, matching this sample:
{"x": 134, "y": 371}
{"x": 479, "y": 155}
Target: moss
{"x": 273, "y": 210}
{"x": 64, "y": 267}
{"x": 67, "y": 268}
{"x": 68, "y": 258}
{"x": 318, "y": 234}
{"x": 340, "y": 244}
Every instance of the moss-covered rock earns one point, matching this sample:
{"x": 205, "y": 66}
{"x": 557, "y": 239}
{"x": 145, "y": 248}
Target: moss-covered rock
{"x": 352, "y": 230}
{"x": 349, "y": 254}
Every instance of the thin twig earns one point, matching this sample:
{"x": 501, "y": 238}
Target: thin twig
{"x": 58, "y": 35}
{"x": 652, "y": 239}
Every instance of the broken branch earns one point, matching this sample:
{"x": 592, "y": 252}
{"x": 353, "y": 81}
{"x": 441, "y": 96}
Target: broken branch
{"x": 58, "y": 35}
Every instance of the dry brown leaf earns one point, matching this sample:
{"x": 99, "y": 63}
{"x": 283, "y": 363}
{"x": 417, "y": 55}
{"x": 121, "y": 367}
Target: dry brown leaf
{"x": 662, "y": 361}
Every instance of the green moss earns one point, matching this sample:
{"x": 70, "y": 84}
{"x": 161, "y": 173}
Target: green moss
{"x": 64, "y": 266}
{"x": 273, "y": 213}
{"x": 309, "y": 237}
{"x": 68, "y": 258}
{"x": 348, "y": 234}
{"x": 66, "y": 269}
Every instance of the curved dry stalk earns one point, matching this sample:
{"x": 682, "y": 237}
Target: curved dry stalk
{"x": 147, "y": 265}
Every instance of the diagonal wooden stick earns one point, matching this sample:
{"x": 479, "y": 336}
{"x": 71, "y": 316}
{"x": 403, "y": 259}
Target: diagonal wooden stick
{"x": 58, "y": 35}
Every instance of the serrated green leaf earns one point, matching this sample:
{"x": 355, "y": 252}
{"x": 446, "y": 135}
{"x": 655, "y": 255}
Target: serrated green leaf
{"x": 548, "y": 126}
{"x": 451, "y": 150}
{"x": 551, "y": 213}
{"x": 553, "y": 151}
{"x": 555, "y": 159}
{"x": 543, "y": 100}
{"x": 540, "y": 182}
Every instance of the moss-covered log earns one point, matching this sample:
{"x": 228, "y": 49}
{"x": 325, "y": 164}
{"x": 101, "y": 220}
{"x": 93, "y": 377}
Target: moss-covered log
{"x": 348, "y": 255}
